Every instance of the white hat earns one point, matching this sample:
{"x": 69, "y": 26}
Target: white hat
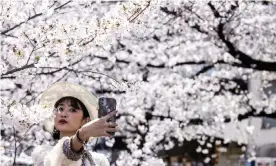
{"x": 63, "y": 89}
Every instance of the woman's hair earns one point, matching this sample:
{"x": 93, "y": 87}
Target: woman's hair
{"x": 76, "y": 104}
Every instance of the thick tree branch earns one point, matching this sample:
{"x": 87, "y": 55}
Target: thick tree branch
{"x": 163, "y": 65}
{"x": 245, "y": 59}
{"x": 214, "y": 10}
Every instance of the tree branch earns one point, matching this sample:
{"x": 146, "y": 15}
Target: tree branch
{"x": 245, "y": 59}
{"x": 138, "y": 12}
{"x": 203, "y": 70}
{"x": 30, "y": 18}
{"x": 163, "y": 65}
{"x": 18, "y": 25}
{"x": 18, "y": 69}
{"x": 214, "y": 10}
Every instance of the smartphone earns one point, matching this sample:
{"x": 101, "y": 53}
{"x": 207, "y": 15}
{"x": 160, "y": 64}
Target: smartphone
{"x": 107, "y": 105}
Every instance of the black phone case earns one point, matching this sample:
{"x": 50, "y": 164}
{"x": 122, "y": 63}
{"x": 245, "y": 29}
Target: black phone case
{"x": 107, "y": 105}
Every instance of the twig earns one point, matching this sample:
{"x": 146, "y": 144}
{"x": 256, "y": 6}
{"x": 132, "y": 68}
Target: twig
{"x": 24, "y": 135}
{"x": 73, "y": 70}
{"x": 29, "y": 39}
{"x": 30, "y": 56}
{"x": 138, "y": 12}
{"x": 53, "y": 4}
{"x": 62, "y": 5}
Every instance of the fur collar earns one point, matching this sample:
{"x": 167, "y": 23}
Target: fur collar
{"x": 53, "y": 156}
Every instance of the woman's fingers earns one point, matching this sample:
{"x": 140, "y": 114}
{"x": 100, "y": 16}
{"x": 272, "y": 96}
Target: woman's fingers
{"x": 110, "y": 124}
{"x": 104, "y": 126}
{"x": 113, "y": 129}
{"x": 108, "y": 116}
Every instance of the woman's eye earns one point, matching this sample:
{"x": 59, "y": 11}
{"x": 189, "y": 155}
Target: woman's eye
{"x": 72, "y": 110}
{"x": 59, "y": 109}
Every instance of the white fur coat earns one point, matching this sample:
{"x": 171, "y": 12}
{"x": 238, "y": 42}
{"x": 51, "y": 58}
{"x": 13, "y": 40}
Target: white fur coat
{"x": 46, "y": 155}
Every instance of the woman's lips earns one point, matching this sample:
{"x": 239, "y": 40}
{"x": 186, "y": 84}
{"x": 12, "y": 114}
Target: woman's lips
{"x": 62, "y": 121}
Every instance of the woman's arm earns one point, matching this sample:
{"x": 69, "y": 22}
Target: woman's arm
{"x": 76, "y": 144}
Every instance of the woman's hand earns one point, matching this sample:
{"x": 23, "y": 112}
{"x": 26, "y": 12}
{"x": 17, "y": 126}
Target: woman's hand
{"x": 98, "y": 127}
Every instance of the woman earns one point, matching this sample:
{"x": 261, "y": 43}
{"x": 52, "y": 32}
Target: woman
{"x": 75, "y": 122}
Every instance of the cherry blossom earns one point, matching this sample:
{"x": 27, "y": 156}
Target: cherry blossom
{"x": 179, "y": 70}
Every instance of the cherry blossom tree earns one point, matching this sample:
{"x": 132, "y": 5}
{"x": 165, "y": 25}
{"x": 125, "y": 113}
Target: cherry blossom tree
{"x": 178, "y": 69}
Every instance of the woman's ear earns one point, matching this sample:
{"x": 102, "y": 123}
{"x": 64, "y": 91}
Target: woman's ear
{"x": 86, "y": 120}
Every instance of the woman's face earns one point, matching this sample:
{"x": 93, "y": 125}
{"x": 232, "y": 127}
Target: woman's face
{"x": 68, "y": 119}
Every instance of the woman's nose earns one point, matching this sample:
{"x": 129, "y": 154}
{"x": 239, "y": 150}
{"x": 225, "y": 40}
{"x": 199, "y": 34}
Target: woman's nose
{"x": 63, "y": 113}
